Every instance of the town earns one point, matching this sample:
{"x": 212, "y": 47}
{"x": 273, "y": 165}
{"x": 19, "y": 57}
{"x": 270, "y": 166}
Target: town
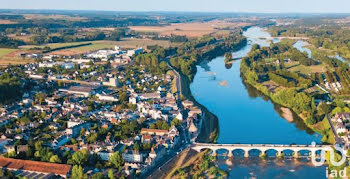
{"x": 99, "y": 111}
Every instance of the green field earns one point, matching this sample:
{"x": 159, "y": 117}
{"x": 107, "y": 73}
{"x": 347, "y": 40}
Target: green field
{"x": 96, "y": 45}
{"x": 5, "y": 51}
{"x": 309, "y": 69}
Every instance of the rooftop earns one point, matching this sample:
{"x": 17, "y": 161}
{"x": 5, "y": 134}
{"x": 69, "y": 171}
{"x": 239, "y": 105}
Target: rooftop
{"x": 28, "y": 165}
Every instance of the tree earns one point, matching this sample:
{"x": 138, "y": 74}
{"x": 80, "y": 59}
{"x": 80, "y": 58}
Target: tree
{"x": 80, "y": 157}
{"x": 163, "y": 66}
{"x": 77, "y": 172}
{"x": 228, "y": 56}
{"x": 324, "y": 108}
{"x": 123, "y": 97}
{"x": 111, "y": 174}
{"x": 117, "y": 160}
{"x": 136, "y": 147}
{"x": 55, "y": 159}
{"x": 40, "y": 97}
{"x": 176, "y": 122}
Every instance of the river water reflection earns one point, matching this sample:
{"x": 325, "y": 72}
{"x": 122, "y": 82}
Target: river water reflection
{"x": 246, "y": 116}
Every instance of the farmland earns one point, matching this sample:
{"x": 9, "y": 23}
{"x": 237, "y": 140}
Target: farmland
{"x": 188, "y": 29}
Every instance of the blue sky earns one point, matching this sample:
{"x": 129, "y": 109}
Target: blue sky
{"x": 269, "y": 6}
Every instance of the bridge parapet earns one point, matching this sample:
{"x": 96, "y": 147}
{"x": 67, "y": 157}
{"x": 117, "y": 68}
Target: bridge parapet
{"x": 261, "y": 147}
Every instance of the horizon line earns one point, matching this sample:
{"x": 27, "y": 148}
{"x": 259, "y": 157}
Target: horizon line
{"x": 164, "y": 11}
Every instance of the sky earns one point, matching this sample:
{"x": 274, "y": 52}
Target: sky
{"x": 261, "y": 6}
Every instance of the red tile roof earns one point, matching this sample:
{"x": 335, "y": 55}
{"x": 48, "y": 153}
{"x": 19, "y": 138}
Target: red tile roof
{"x": 28, "y": 165}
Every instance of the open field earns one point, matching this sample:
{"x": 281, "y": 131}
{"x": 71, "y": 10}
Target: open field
{"x": 5, "y": 51}
{"x": 55, "y": 16}
{"x": 5, "y": 21}
{"x": 96, "y": 45}
{"x": 188, "y": 29}
{"x": 11, "y": 56}
{"x": 309, "y": 69}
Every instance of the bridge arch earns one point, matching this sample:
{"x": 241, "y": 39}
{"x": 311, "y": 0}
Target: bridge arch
{"x": 224, "y": 151}
{"x": 255, "y": 152}
{"x": 238, "y": 152}
{"x": 303, "y": 152}
{"x": 271, "y": 152}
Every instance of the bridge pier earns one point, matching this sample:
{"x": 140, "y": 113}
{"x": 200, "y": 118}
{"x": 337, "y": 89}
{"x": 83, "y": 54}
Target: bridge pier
{"x": 230, "y": 154}
{"x": 279, "y": 153}
{"x": 296, "y": 154}
{"x": 246, "y": 153}
{"x": 214, "y": 153}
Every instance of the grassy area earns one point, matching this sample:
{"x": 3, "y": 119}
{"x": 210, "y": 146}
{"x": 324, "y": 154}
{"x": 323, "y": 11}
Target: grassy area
{"x": 325, "y": 129}
{"x": 104, "y": 44}
{"x": 269, "y": 60}
{"x": 5, "y": 51}
{"x": 309, "y": 69}
{"x": 173, "y": 87}
{"x": 11, "y": 56}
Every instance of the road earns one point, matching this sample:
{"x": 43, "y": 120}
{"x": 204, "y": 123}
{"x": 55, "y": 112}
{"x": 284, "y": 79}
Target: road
{"x": 171, "y": 155}
{"x": 337, "y": 139}
{"x": 178, "y": 82}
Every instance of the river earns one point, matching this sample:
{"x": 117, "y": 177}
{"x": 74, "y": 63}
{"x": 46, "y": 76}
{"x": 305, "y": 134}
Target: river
{"x": 246, "y": 116}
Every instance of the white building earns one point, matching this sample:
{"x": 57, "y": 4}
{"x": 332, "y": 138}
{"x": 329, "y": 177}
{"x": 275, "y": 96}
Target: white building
{"x": 134, "y": 52}
{"x": 112, "y": 82}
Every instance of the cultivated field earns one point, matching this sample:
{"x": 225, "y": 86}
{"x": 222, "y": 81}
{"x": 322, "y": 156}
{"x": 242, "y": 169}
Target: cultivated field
{"x": 4, "y": 21}
{"x": 188, "y": 29}
{"x": 11, "y": 56}
{"x": 96, "y": 45}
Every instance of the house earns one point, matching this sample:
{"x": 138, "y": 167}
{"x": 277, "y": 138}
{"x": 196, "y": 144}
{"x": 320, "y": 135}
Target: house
{"x": 157, "y": 152}
{"x": 340, "y": 128}
{"x": 60, "y": 141}
{"x": 343, "y": 116}
{"x": 187, "y": 104}
{"x": 35, "y": 167}
{"x": 153, "y": 132}
{"x": 114, "y": 82}
{"x": 10, "y": 148}
{"x": 133, "y": 156}
{"x": 22, "y": 148}
{"x": 146, "y": 96}
{"x": 3, "y": 143}
{"x": 107, "y": 98}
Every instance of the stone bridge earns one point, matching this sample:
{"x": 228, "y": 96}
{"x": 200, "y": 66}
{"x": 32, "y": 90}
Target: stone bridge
{"x": 246, "y": 148}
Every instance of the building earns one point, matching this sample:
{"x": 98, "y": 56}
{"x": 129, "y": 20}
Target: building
{"x": 103, "y": 54}
{"x": 133, "y": 156}
{"x": 84, "y": 91}
{"x": 134, "y": 52}
{"x": 153, "y": 131}
{"x": 112, "y": 82}
{"x": 146, "y": 96}
{"x": 35, "y": 167}
{"x": 107, "y": 98}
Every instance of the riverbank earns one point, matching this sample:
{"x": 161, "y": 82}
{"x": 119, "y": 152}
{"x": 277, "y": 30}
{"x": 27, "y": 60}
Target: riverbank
{"x": 321, "y": 127}
{"x": 209, "y": 131}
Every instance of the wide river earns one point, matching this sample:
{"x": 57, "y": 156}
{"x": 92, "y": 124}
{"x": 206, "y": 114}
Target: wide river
{"x": 246, "y": 116}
